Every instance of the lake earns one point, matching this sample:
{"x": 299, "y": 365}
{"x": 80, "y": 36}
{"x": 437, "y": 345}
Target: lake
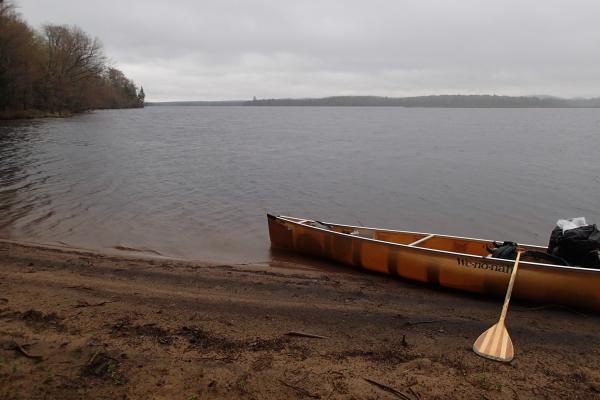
{"x": 196, "y": 182}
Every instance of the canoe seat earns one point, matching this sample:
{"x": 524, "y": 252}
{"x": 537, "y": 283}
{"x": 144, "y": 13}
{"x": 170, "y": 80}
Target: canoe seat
{"x": 421, "y": 240}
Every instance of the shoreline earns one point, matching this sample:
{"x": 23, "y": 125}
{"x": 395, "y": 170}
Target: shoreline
{"x": 79, "y": 324}
{"x": 17, "y": 115}
{"x": 33, "y": 114}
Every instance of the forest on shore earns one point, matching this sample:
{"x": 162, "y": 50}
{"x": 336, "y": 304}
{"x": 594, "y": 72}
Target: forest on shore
{"x": 57, "y": 71}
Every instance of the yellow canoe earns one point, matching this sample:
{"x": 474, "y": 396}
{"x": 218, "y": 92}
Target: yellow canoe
{"x": 447, "y": 261}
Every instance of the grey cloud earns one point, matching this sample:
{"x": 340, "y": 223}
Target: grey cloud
{"x": 239, "y": 49}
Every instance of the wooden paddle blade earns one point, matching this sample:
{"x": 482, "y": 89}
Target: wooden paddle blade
{"x": 495, "y": 344}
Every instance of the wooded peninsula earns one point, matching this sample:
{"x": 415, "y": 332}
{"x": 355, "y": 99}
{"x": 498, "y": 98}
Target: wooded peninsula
{"x": 57, "y": 71}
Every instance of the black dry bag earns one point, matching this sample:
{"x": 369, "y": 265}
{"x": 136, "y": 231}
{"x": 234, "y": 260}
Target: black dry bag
{"x": 578, "y": 246}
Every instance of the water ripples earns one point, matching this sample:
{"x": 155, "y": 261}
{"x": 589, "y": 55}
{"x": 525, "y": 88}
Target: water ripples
{"x": 194, "y": 182}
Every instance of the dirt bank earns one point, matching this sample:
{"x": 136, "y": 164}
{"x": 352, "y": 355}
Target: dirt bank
{"x": 76, "y": 325}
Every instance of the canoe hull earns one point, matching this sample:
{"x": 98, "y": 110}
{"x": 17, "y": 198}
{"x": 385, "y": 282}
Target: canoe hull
{"x": 577, "y": 287}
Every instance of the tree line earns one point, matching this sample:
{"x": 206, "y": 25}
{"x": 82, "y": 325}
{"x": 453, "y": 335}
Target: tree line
{"x": 58, "y": 70}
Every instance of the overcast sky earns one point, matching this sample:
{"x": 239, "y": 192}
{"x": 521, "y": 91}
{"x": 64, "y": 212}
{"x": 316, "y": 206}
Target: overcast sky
{"x": 226, "y": 49}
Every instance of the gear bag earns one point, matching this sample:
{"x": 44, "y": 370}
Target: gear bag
{"x": 578, "y": 246}
{"x": 506, "y": 250}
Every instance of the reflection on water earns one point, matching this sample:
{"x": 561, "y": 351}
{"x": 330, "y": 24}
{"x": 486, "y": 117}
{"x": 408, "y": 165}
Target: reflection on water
{"x": 195, "y": 182}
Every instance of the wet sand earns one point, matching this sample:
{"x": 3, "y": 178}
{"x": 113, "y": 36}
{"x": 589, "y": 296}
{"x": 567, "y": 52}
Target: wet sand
{"x": 79, "y": 325}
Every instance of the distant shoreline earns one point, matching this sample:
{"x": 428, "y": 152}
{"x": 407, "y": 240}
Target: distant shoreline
{"x": 438, "y": 101}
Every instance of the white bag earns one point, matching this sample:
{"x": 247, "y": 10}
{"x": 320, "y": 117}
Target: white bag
{"x": 571, "y": 223}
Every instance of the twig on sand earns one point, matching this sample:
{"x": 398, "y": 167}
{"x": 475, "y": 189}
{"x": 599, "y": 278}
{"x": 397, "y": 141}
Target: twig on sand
{"x": 300, "y": 390}
{"x": 92, "y": 358}
{"x": 388, "y": 389}
{"x": 83, "y": 303}
{"x": 404, "y": 342}
{"x": 417, "y": 395}
{"x": 408, "y": 323}
{"x": 304, "y": 334}
{"x": 80, "y": 287}
{"x": 24, "y": 352}
{"x": 551, "y": 306}
{"x": 515, "y": 392}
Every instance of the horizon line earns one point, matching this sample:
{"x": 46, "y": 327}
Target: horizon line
{"x": 538, "y": 96}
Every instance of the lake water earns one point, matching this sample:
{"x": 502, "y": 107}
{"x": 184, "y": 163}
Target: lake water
{"x": 195, "y": 182}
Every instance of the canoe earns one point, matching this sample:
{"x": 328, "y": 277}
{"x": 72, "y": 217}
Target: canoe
{"x": 448, "y": 261}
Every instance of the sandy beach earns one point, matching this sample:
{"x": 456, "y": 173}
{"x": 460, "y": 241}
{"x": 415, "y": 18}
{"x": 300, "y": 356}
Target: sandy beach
{"x": 80, "y": 325}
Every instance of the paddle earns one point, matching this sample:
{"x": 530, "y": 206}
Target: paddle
{"x": 495, "y": 343}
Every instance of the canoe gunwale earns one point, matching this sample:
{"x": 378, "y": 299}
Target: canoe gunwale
{"x": 430, "y": 250}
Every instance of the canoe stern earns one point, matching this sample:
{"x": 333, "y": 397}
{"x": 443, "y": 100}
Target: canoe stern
{"x": 282, "y": 236}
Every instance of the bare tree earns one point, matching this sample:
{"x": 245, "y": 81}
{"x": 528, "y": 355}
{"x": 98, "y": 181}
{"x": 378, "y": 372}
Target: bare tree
{"x": 72, "y": 59}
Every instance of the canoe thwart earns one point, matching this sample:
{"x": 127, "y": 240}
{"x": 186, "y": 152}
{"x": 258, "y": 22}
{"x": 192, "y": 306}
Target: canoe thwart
{"x": 422, "y": 240}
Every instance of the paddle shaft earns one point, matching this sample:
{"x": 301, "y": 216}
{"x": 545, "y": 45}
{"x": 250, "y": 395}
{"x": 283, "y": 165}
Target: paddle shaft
{"x": 513, "y": 275}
